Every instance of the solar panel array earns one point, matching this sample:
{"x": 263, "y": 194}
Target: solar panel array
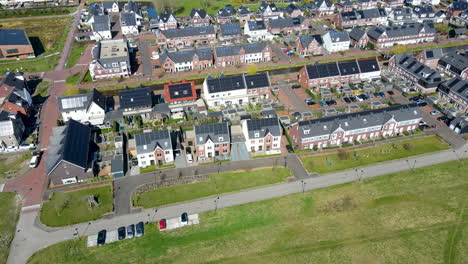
{"x": 76, "y": 145}
{"x": 135, "y": 98}
{"x": 212, "y": 129}
{"x": 180, "y": 90}
{"x": 230, "y": 29}
{"x": 226, "y": 83}
{"x": 75, "y": 102}
{"x": 368, "y": 65}
{"x": 348, "y": 67}
{"x": 257, "y": 80}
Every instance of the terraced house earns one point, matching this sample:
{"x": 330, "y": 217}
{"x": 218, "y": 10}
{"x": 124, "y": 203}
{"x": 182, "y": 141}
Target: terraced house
{"x": 230, "y": 33}
{"x": 212, "y": 140}
{"x": 454, "y": 64}
{"x": 111, "y": 59}
{"x": 14, "y": 95}
{"x": 187, "y": 60}
{"x": 262, "y": 135}
{"x": 366, "y": 17}
{"x": 167, "y": 21}
{"x": 186, "y": 37}
{"x": 268, "y": 10}
{"x": 287, "y": 25}
{"x": 309, "y": 45}
{"x": 360, "y": 126}
{"x": 242, "y": 54}
{"x": 455, "y": 91}
{"x": 154, "y": 148}
{"x": 402, "y": 35}
{"x": 199, "y": 18}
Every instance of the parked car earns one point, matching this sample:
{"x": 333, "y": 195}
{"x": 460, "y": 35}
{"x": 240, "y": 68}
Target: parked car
{"x": 382, "y": 94}
{"x": 296, "y": 114}
{"x": 415, "y": 98}
{"x": 275, "y": 89}
{"x": 364, "y": 97}
{"x": 34, "y": 161}
{"x": 323, "y": 103}
{"x": 140, "y": 229}
{"x": 27, "y": 146}
{"x": 130, "y": 231}
{"x": 422, "y": 123}
{"x": 359, "y": 98}
{"x": 435, "y": 112}
{"x": 189, "y": 158}
{"x": 296, "y": 86}
{"x": 184, "y": 218}
{"x": 421, "y": 104}
{"x": 442, "y": 118}
{"x": 121, "y": 232}
{"x": 352, "y": 98}
{"x": 347, "y": 100}
{"x": 101, "y": 238}
{"x": 289, "y": 148}
{"x": 162, "y": 224}
{"x": 390, "y": 92}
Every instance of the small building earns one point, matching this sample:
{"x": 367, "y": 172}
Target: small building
{"x": 178, "y": 93}
{"x": 293, "y": 10}
{"x": 256, "y": 30}
{"x": 243, "y": 14}
{"x": 268, "y": 10}
{"x": 85, "y": 108}
{"x": 118, "y": 169}
{"x": 225, "y": 15}
{"x": 430, "y": 57}
{"x": 262, "y": 135}
{"x": 111, "y": 59}
{"x": 454, "y": 64}
{"x": 14, "y": 94}
{"x": 455, "y": 91}
{"x": 335, "y": 41}
{"x": 459, "y": 125}
{"x": 401, "y": 15}
{"x": 129, "y": 24}
{"x": 230, "y": 33}
{"x": 358, "y": 37}
{"x": 167, "y": 21}
{"x": 287, "y": 25}
{"x": 154, "y": 148}
{"x": 101, "y": 28}
{"x": 11, "y": 130}
{"x": 242, "y": 54}
{"x": 110, "y": 6}
{"x": 323, "y": 7}
{"x": 212, "y": 140}
{"x": 199, "y": 18}
{"x": 15, "y": 43}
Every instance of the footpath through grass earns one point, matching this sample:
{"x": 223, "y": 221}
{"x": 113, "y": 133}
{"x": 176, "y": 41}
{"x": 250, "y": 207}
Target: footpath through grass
{"x": 75, "y": 55}
{"x": 415, "y": 216}
{"x": 345, "y": 159}
{"x": 217, "y": 184}
{"x": 9, "y": 208}
{"x": 67, "y": 208}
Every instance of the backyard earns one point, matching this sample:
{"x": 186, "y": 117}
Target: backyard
{"x": 10, "y": 208}
{"x": 417, "y": 216}
{"x": 218, "y": 183}
{"x": 67, "y": 208}
{"x": 345, "y": 159}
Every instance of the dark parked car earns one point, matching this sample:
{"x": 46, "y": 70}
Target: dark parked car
{"x": 162, "y": 224}
{"x": 121, "y": 232}
{"x": 390, "y": 92}
{"x": 352, "y": 98}
{"x": 376, "y": 94}
{"x": 296, "y": 86}
{"x": 333, "y": 102}
{"x": 101, "y": 237}
{"x": 415, "y": 99}
{"x": 442, "y": 118}
{"x": 130, "y": 231}
{"x": 347, "y": 100}
{"x": 184, "y": 218}
{"x": 289, "y": 148}
{"x": 34, "y": 77}
{"x": 382, "y": 94}
{"x": 296, "y": 114}
{"x": 422, "y": 104}
{"x": 140, "y": 229}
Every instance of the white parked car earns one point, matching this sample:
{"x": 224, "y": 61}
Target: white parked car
{"x": 189, "y": 158}
{"x": 34, "y": 161}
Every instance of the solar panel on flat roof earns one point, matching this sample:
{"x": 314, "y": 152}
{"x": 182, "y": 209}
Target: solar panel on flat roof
{"x": 180, "y": 90}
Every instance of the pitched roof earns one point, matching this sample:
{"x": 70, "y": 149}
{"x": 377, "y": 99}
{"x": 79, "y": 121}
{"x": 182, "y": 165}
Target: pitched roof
{"x": 291, "y": 8}
{"x": 263, "y": 127}
{"x": 101, "y": 23}
{"x": 187, "y": 55}
{"x": 426, "y": 76}
{"x": 307, "y": 39}
{"x": 368, "y": 65}
{"x": 401, "y": 13}
{"x": 149, "y": 141}
{"x": 95, "y": 9}
{"x": 164, "y": 17}
{"x": 180, "y": 91}
{"x": 363, "y": 14}
{"x": 423, "y": 10}
{"x": 286, "y": 22}
{"x": 188, "y": 32}
{"x": 243, "y": 10}
{"x": 14, "y": 37}
{"x": 264, "y": 5}
{"x": 342, "y": 68}
{"x": 337, "y": 36}
{"x": 459, "y": 5}
{"x": 356, "y": 33}
{"x": 230, "y": 29}
{"x": 457, "y": 86}
{"x": 405, "y": 30}
{"x": 256, "y": 25}
{"x": 131, "y": 6}
{"x": 214, "y": 132}
{"x": 201, "y": 12}
{"x": 133, "y": 98}
{"x": 348, "y": 67}
{"x": 235, "y": 50}
{"x": 108, "y": 4}
{"x": 8, "y": 122}
{"x": 433, "y": 54}
{"x": 15, "y": 80}
{"x": 81, "y": 101}
{"x": 455, "y": 60}
{"x": 128, "y": 19}
{"x": 237, "y": 82}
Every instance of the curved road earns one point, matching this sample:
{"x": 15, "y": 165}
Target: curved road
{"x": 31, "y": 236}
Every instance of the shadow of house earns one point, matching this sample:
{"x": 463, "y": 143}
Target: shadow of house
{"x": 36, "y": 43}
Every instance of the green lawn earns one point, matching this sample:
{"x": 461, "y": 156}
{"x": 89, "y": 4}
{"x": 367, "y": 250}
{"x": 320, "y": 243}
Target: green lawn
{"x": 75, "y": 54}
{"x": 13, "y": 166}
{"x": 417, "y": 216}
{"x": 346, "y": 159}
{"x": 10, "y": 208}
{"x": 73, "y": 79}
{"x": 222, "y": 183}
{"x": 49, "y": 11}
{"x": 67, "y": 208}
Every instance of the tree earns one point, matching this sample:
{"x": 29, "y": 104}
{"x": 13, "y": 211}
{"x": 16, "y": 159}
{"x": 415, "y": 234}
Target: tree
{"x": 252, "y": 69}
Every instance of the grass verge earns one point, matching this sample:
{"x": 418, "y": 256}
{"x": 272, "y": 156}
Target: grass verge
{"x": 67, "y": 208}
{"x": 345, "y": 159}
{"x": 14, "y": 166}
{"x": 10, "y": 208}
{"x": 75, "y": 55}
{"x": 411, "y": 216}
{"x": 222, "y": 183}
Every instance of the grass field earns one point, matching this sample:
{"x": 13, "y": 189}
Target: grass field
{"x": 222, "y": 183}
{"x": 75, "y": 54}
{"x": 346, "y": 159}
{"x": 417, "y": 216}
{"x": 47, "y": 37}
{"x": 10, "y": 208}
{"x": 11, "y": 168}
{"x": 67, "y": 208}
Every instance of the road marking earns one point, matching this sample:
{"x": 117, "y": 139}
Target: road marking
{"x": 59, "y": 81}
{"x": 36, "y": 206}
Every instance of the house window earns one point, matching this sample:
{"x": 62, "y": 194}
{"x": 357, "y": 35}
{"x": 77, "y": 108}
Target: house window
{"x": 150, "y": 155}
{"x": 167, "y": 152}
{"x": 220, "y": 139}
{"x": 216, "y": 145}
{"x": 275, "y": 139}
{"x": 225, "y": 145}
{"x": 257, "y": 135}
{"x": 225, "y": 150}
{"x": 159, "y": 155}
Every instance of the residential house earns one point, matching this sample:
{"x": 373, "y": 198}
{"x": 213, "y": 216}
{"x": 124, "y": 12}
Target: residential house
{"x": 366, "y": 17}
{"x": 401, "y": 35}
{"x": 456, "y": 8}
{"x": 110, "y": 6}
{"x": 345, "y": 5}
{"x": 268, "y": 10}
{"x": 167, "y": 21}
{"x": 335, "y": 74}
{"x": 242, "y": 54}
{"x": 136, "y": 101}
{"x": 186, "y": 37}
{"x": 186, "y": 60}
{"x": 389, "y": 4}
{"x": 111, "y": 59}
{"x": 129, "y": 24}
{"x": 413, "y": 2}
{"x": 236, "y": 89}
{"x": 154, "y": 148}
{"x": 365, "y": 4}
{"x": 454, "y": 64}
{"x": 430, "y": 57}
{"x": 14, "y": 95}
{"x": 423, "y": 78}
{"x": 423, "y": 13}
{"x": 440, "y": 17}
{"x": 460, "y": 21}
{"x": 153, "y": 17}
{"x": 359, "y": 38}
{"x": 14, "y": 43}
{"x": 459, "y": 125}
{"x": 132, "y": 7}
{"x": 262, "y": 135}
{"x": 11, "y": 130}
{"x": 401, "y": 15}
{"x": 94, "y": 10}
{"x": 309, "y": 45}
{"x": 257, "y": 31}
{"x": 85, "y": 108}
{"x": 360, "y": 126}
{"x": 101, "y": 28}
{"x": 334, "y": 41}
{"x": 243, "y": 14}
{"x": 455, "y": 91}
{"x": 293, "y": 10}
{"x": 199, "y": 18}
{"x": 288, "y": 25}
{"x": 69, "y": 155}
{"x": 225, "y": 14}
{"x": 212, "y": 140}
{"x": 323, "y": 7}
{"x": 181, "y": 92}
{"x": 230, "y": 33}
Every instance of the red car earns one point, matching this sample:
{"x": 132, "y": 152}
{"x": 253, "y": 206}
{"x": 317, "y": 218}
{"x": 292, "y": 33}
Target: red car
{"x": 162, "y": 224}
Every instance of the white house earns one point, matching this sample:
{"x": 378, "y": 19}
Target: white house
{"x": 101, "y": 28}
{"x": 154, "y": 148}
{"x": 129, "y": 24}
{"x": 84, "y": 108}
{"x": 334, "y": 41}
{"x": 111, "y": 6}
{"x": 262, "y": 135}
{"x": 257, "y": 31}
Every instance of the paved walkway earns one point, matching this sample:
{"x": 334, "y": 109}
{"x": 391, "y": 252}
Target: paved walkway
{"x": 31, "y": 237}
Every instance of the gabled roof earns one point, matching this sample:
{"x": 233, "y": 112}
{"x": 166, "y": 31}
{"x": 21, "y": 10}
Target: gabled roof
{"x": 108, "y": 4}
{"x": 131, "y": 6}
{"x": 81, "y": 101}
{"x": 95, "y": 9}
{"x": 338, "y": 36}
{"x": 264, "y": 5}
{"x": 101, "y": 23}
{"x": 455, "y": 60}
{"x": 128, "y": 19}
{"x": 426, "y": 76}
{"x": 433, "y": 54}
{"x": 256, "y": 25}
{"x": 214, "y": 132}
{"x": 224, "y": 13}
{"x": 180, "y": 91}
{"x": 457, "y": 86}
{"x": 230, "y": 29}
{"x": 307, "y": 39}
{"x": 459, "y": 5}
{"x": 405, "y": 13}
{"x": 187, "y": 55}
{"x": 368, "y": 65}
{"x": 318, "y": 3}
{"x": 188, "y": 32}
{"x": 286, "y": 22}
{"x": 263, "y": 127}
{"x": 164, "y": 17}
{"x": 348, "y": 68}
{"x": 14, "y": 80}
{"x": 13, "y": 37}
{"x": 317, "y": 70}
{"x": 235, "y": 50}
{"x": 406, "y": 30}
{"x": 149, "y": 141}
{"x": 237, "y": 82}
{"x": 200, "y": 12}
{"x": 356, "y": 34}
{"x": 363, "y": 14}
{"x": 243, "y": 10}
{"x": 291, "y": 8}
{"x": 134, "y": 98}
{"x": 423, "y": 10}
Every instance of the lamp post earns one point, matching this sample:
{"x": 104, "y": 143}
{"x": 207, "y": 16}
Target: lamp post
{"x": 216, "y": 201}
{"x": 154, "y": 216}
{"x": 303, "y": 183}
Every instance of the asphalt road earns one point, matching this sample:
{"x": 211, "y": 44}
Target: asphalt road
{"x": 298, "y": 104}
{"x": 30, "y": 237}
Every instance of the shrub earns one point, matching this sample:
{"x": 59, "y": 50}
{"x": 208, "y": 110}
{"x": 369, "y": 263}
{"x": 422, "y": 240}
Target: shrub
{"x": 343, "y": 155}
{"x": 408, "y": 146}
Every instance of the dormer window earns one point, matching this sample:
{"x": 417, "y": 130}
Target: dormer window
{"x": 257, "y": 135}
{"x": 306, "y": 132}
{"x": 221, "y": 139}
{"x": 201, "y": 138}
{"x": 145, "y": 147}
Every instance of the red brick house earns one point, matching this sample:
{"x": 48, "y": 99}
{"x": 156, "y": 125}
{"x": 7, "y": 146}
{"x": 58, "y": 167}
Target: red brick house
{"x": 288, "y": 25}
{"x": 180, "y": 92}
{"x": 212, "y": 140}
{"x": 199, "y": 18}
{"x": 242, "y": 54}
{"x": 359, "y": 38}
{"x": 14, "y": 94}
{"x": 293, "y": 10}
{"x": 186, "y": 37}
{"x": 187, "y": 60}
{"x": 366, "y": 17}
{"x": 430, "y": 57}
{"x": 309, "y": 45}
{"x": 14, "y": 43}
{"x": 402, "y": 35}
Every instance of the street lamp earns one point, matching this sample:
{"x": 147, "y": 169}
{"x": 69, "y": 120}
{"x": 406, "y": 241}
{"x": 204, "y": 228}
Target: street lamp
{"x": 303, "y": 185}
{"x": 154, "y": 216}
{"x": 216, "y": 203}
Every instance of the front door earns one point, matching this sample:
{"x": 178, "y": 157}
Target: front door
{"x": 216, "y": 152}
{"x": 160, "y": 162}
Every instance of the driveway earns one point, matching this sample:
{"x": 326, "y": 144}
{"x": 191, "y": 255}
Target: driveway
{"x": 145, "y": 58}
{"x": 293, "y": 101}
{"x": 239, "y": 151}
